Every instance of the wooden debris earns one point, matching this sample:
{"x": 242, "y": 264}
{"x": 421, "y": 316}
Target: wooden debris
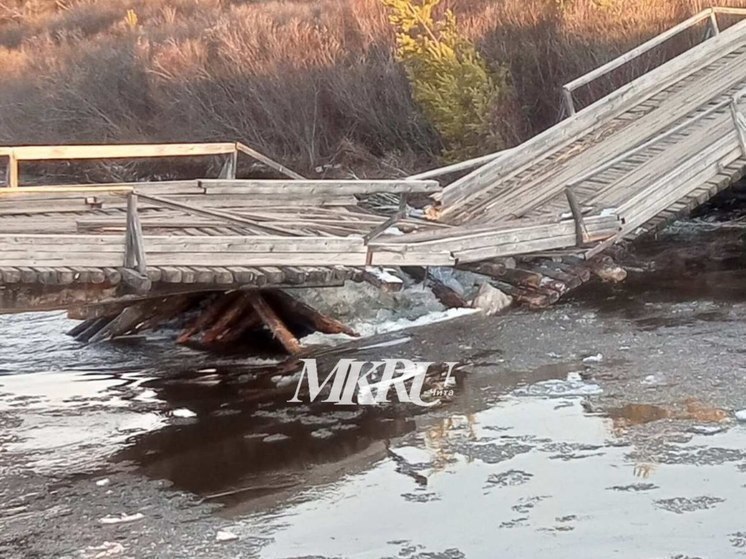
{"x": 274, "y": 323}
{"x": 292, "y": 308}
{"x": 383, "y": 279}
{"x": 208, "y": 317}
{"x": 227, "y": 319}
{"x": 608, "y": 270}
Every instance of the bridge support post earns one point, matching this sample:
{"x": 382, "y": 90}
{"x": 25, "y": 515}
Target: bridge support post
{"x": 134, "y": 272}
{"x": 713, "y": 28}
{"x": 568, "y": 102}
{"x": 12, "y": 176}
{"x": 581, "y": 232}
{"x": 229, "y": 167}
{"x": 740, "y": 123}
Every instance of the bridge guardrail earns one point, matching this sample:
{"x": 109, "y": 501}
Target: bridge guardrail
{"x": 713, "y": 29}
{"x": 17, "y": 154}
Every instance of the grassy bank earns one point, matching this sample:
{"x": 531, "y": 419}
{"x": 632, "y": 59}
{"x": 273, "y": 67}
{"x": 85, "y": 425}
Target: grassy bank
{"x": 311, "y": 83}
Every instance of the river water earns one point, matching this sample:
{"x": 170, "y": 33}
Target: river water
{"x": 602, "y": 426}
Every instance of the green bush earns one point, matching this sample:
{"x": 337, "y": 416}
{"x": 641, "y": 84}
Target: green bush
{"x": 450, "y": 80}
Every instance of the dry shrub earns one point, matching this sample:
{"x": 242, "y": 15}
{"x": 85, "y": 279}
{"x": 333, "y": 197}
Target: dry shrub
{"x": 309, "y": 82}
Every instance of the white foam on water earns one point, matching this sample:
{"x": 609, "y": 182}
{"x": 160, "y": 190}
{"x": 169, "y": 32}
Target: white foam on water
{"x": 367, "y": 329}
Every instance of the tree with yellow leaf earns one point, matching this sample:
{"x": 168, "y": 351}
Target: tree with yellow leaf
{"x": 450, "y": 80}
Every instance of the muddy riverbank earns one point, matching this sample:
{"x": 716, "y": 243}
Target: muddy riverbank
{"x": 604, "y": 425}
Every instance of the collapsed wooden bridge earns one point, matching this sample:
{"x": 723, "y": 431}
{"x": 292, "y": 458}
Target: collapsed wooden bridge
{"x": 622, "y": 166}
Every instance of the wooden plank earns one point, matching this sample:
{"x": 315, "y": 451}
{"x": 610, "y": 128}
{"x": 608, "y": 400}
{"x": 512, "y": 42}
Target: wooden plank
{"x": 595, "y": 226}
{"x": 229, "y": 217}
{"x": 134, "y": 254}
{"x": 109, "y": 151}
{"x": 318, "y": 187}
{"x": 387, "y": 257}
{"x": 460, "y": 166}
{"x": 252, "y": 244}
{"x": 13, "y": 172}
{"x": 596, "y": 115}
{"x": 638, "y": 51}
{"x": 244, "y": 199}
{"x": 245, "y": 259}
{"x": 271, "y": 163}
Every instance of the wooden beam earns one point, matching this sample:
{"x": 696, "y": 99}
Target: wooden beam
{"x": 13, "y": 174}
{"x": 134, "y": 255}
{"x": 460, "y": 166}
{"x": 581, "y": 231}
{"x": 568, "y": 102}
{"x": 290, "y": 307}
{"x": 271, "y": 163}
{"x": 124, "y": 151}
{"x": 317, "y": 187}
{"x": 229, "y": 217}
{"x": 740, "y": 123}
{"x": 274, "y": 323}
{"x": 229, "y": 167}
{"x": 638, "y": 51}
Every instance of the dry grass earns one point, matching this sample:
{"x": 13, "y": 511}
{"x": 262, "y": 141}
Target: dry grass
{"x": 309, "y": 82}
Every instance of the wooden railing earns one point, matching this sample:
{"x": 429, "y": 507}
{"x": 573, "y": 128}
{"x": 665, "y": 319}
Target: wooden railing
{"x": 17, "y": 154}
{"x": 713, "y": 30}
{"x": 592, "y": 117}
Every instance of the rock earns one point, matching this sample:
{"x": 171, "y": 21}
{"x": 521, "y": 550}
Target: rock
{"x": 122, "y": 519}
{"x": 183, "y": 412}
{"x": 741, "y": 415}
{"x": 491, "y": 300}
{"x": 594, "y": 358}
{"x": 103, "y": 482}
{"x": 225, "y": 536}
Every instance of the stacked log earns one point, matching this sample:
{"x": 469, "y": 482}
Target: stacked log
{"x": 218, "y": 319}
{"x": 539, "y": 282}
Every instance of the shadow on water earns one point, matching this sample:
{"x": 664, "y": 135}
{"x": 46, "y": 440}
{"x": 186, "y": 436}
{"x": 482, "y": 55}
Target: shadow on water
{"x": 689, "y": 273}
{"x": 237, "y": 450}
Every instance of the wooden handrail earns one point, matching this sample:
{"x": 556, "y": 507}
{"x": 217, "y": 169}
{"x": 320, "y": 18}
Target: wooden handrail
{"x": 709, "y": 13}
{"x": 124, "y": 151}
{"x": 16, "y": 154}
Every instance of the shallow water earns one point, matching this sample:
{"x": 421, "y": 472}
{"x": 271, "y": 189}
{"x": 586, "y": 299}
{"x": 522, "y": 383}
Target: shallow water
{"x": 602, "y": 426}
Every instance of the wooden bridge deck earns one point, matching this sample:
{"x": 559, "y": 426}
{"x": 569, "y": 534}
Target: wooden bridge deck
{"x": 662, "y": 144}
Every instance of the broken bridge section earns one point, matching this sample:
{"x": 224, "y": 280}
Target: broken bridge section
{"x": 535, "y": 217}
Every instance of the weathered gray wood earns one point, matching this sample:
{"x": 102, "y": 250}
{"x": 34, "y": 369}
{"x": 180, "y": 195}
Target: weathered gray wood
{"x": 134, "y": 254}
{"x": 638, "y": 51}
{"x": 581, "y": 231}
{"x": 228, "y": 217}
{"x": 740, "y": 124}
{"x": 271, "y": 163}
{"x": 318, "y": 187}
{"x": 596, "y": 115}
